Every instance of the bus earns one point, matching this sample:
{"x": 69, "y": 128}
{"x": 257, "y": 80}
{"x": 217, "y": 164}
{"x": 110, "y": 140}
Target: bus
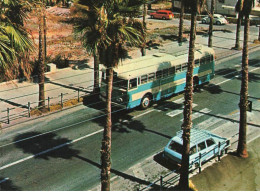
{"x": 143, "y": 80}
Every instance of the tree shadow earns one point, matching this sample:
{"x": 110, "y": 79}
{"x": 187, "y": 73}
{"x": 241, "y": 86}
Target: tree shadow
{"x": 227, "y": 72}
{"x": 45, "y": 146}
{"x": 167, "y": 164}
{"x": 169, "y": 37}
{"x": 116, "y": 172}
{"x": 165, "y": 105}
{"x": 213, "y": 89}
{"x": 7, "y": 185}
{"x": 14, "y": 103}
{"x": 252, "y": 77}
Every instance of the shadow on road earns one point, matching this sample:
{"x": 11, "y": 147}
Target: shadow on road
{"x": 163, "y": 162}
{"x": 7, "y": 185}
{"x": 45, "y": 146}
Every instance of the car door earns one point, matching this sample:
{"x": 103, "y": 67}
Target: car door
{"x": 202, "y": 149}
{"x": 212, "y": 149}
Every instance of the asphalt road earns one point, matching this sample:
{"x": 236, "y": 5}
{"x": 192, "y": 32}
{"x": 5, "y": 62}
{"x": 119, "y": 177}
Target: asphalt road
{"x": 231, "y": 27}
{"x": 61, "y": 151}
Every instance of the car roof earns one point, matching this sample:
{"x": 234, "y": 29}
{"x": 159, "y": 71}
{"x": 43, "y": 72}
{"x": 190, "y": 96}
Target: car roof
{"x": 196, "y": 136}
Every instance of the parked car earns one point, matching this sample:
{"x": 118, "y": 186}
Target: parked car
{"x": 217, "y": 19}
{"x": 162, "y": 14}
{"x": 204, "y": 145}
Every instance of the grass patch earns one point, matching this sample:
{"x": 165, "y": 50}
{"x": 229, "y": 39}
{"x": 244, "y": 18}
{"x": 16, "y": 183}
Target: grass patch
{"x": 55, "y": 107}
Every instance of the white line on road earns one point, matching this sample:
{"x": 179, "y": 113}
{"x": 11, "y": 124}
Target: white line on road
{"x": 49, "y": 150}
{"x": 200, "y": 113}
{"x": 236, "y": 76}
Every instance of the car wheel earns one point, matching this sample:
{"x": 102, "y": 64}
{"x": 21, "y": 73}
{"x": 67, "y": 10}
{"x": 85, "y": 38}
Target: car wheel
{"x": 203, "y": 22}
{"x": 152, "y": 16}
{"x": 164, "y": 18}
{"x": 146, "y": 102}
{"x": 218, "y": 23}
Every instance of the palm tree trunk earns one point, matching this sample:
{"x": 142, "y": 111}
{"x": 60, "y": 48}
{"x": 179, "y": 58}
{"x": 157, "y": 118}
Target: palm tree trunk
{"x": 106, "y": 142}
{"x": 242, "y": 147}
{"x": 180, "y": 37}
{"x": 96, "y": 73}
{"x": 187, "y": 112}
{"x": 45, "y": 34}
{"x": 143, "y": 50}
{"x": 237, "y": 44}
{"x": 41, "y": 65}
{"x": 211, "y": 23}
{"x": 259, "y": 33}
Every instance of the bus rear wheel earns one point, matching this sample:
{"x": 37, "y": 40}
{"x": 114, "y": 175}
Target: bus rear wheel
{"x": 146, "y": 102}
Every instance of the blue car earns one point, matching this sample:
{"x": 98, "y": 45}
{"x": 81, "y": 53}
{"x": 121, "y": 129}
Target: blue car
{"x": 204, "y": 145}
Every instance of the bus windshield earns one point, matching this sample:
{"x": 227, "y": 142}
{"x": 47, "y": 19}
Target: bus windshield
{"x": 120, "y": 83}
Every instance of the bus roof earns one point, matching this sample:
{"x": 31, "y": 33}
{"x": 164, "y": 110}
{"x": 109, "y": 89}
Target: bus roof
{"x": 159, "y": 61}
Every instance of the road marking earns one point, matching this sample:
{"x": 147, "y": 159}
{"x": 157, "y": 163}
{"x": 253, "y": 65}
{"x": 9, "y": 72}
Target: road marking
{"x": 143, "y": 113}
{"x": 234, "y": 112}
{"x": 179, "y": 101}
{"x": 4, "y": 180}
{"x": 179, "y": 111}
{"x": 49, "y": 150}
{"x": 209, "y": 122}
{"x": 175, "y": 112}
{"x": 199, "y": 114}
{"x": 235, "y": 77}
{"x": 67, "y": 126}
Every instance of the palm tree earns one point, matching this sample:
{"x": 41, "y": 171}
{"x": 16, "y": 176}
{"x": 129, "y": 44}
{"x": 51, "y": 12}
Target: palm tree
{"x": 238, "y": 9}
{"x": 88, "y": 26}
{"x": 113, "y": 31}
{"x": 180, "y": 37}
{"x": 41, "y": 60}
{"x": 143, "y": 50}
{"x": 14, "y": 41}
{"x": 211, "y": 23}
{"x": 195, "y": 7}
{"x": 246, "y": 8}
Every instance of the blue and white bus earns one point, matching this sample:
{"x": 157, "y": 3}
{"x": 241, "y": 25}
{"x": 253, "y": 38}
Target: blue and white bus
{"x": 140, "y": 81}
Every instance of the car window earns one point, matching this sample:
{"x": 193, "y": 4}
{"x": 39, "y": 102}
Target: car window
{"x": 210, "y": 142}
{"x": 176, "y": 147}
{"x": 201, "y": 146}
{"x": 193, "y": 150}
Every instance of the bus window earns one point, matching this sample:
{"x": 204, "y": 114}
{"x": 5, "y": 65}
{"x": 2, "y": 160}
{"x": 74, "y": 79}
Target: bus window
{"x": 184, "y": 66}
{"x": 143, "y": 79}
{"x": 158, "y": 74}
{"x": 132, "y": 83}
{"x": 165, "y": 72}
{"x": 151, "y": 76}
{"x": 197, "y": 62}
{"x": 211, "y": 58}
{"x": 178, "y": 68}
{"x": 171, "y": 70}
{"x": 103, "y": 76}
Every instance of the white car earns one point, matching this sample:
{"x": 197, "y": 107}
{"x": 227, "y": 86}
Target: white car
{"x": 217, "y": 19}
{"x": 204, "y": 145}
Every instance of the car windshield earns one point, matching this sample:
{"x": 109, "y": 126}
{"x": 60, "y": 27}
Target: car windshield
{"x": 120, "y": 83}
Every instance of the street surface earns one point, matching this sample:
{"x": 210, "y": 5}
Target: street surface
{"x": 61, "y": 151}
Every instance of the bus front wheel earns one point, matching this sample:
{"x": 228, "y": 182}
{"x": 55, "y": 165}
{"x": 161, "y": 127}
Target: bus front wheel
{"x": 146, "y": 102}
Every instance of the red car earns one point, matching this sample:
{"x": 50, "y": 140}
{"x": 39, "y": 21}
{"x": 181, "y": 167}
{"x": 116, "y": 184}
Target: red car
{"x": 162, "y": 14}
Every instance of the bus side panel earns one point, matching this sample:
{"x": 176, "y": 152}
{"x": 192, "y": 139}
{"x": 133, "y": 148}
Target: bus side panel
{"x": 204, "y": 72}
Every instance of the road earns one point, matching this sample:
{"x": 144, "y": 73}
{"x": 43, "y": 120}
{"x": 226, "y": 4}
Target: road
{"x": 61, "y": 151}
{"x": 229, "y": 27}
